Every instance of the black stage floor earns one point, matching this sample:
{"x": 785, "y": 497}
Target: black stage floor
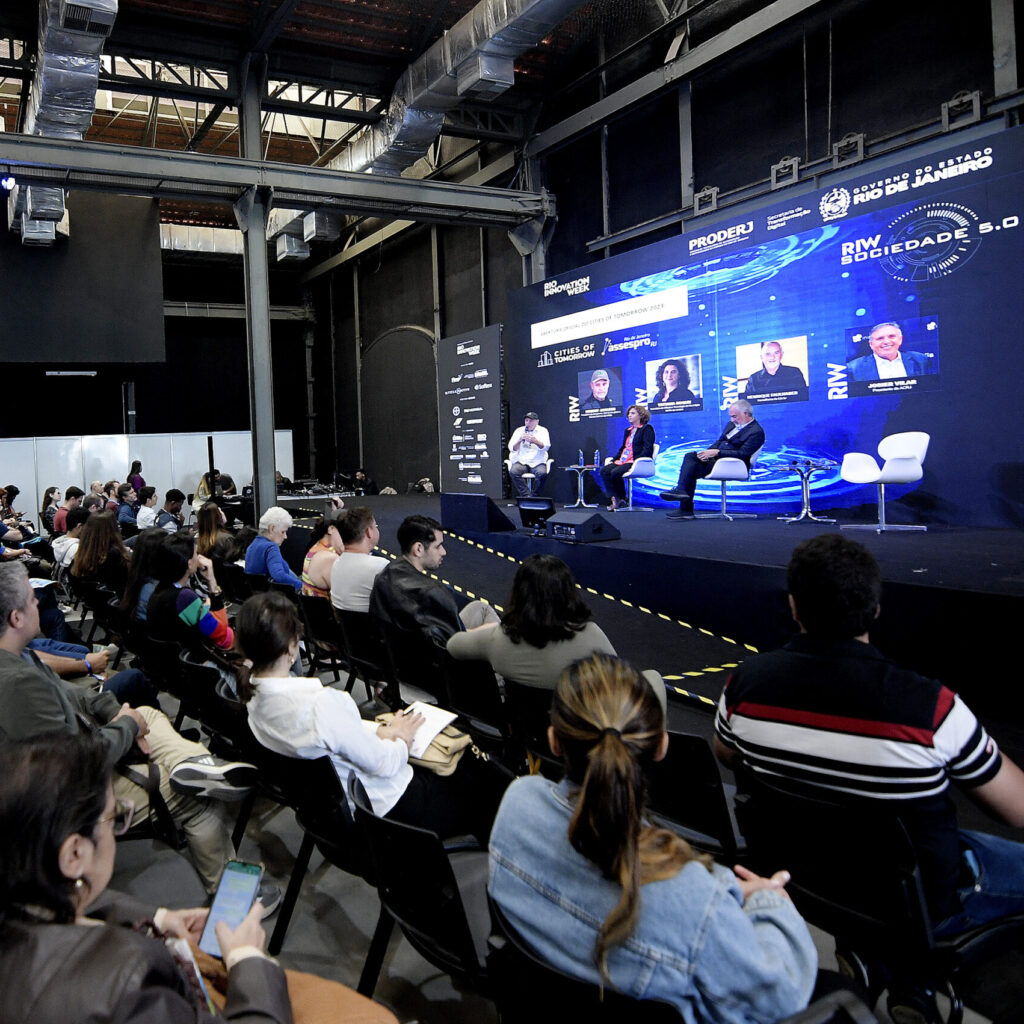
{"x": 693, "y": 599}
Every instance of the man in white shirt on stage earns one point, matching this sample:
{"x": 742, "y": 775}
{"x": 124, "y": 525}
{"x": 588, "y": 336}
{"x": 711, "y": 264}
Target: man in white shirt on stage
{"x": 529, "y": 452}
{"x": 355, "y": 569}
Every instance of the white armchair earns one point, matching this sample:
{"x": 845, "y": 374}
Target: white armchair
{"x": 727, "y": 469}
{"x": 641, "y": 468}
{"x": 902, "y": 461}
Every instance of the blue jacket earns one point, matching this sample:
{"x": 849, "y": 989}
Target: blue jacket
{"x": 263, "y": 558}
{"x": 865, "y": 367}
{"x": 696, "y": 943}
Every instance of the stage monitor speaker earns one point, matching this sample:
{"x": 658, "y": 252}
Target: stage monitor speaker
{"x": 473, "y": 513}
{"x": 581, "y": 527}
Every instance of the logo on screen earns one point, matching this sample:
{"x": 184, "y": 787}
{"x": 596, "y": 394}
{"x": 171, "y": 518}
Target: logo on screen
{"x": 577, "y": 287}
{"x": 834, "y": 204}
{"x": 546, "y": 360}
{"x": 930, "y": 241}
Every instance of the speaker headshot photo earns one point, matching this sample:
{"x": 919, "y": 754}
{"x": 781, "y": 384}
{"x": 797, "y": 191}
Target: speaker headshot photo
{"x": 600, "y": 390}
{"x": 887, "y": 359}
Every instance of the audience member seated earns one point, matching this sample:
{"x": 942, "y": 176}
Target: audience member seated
{"x": 356, "y": 568}
{"x": 547, "y": 626}
{"x": 175, "y": 611}
{"x": 127, "y": 505}
{"x": 102, "y": 556}
{"x": 65, "y": 545}
{"x": 110, "y": 493}
{"x": 72, "y": 499}
{"x": 94, "y": 503}
{"x": 362, "y": 484}
{"x": 51, "y": 502}
{"x": 604, "y": 896}
{"x": 146, "y": 515}
{"x": 303, "y": 718}
{"x": 34, "y": 701}
{"x": 212, "y": 487}
{"x": 324, "y": 547}
{"x": 406, "y": 597}
{"x": 834, "y": 715}
{"x": 141, "y": 579}
{"x": 169, "y": 518}
{"x": 214, "y": 539}
{"x": 11, "y": 516}
{"x": 96, "y": 487}
{"x": 263, "y": 558}
{"x": 134, "y": 476}
{"x": 65, "y": 959}
{"x": 240, "y": 546}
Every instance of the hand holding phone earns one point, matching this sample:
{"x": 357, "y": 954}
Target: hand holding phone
{"x": 232, "y": 906}
{"x": 249, "y": 933}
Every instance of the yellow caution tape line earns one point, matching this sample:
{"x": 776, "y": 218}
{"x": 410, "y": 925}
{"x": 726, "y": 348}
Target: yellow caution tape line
{"x": 608, "y": 597}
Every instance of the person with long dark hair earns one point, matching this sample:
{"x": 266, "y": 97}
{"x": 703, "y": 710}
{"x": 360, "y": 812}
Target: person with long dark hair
{"x": 63, "y": 961}
{"x": 547, "y": 626}
{"x": 598, "y": 892}
{"x": 213, "y": 538}
{"x": 303, "y": 718}
{"x": 673, "y": 380}
{"x": 102, "y": 556}
{"x": 51, "y": 502}
{"x": 135, "y": 477}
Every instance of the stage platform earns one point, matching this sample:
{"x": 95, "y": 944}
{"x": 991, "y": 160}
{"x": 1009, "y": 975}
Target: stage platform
{"x": 693, "y": 599}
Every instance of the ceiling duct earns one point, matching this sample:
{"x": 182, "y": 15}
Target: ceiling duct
{"x": 472, "y": 61}
{"x": 61, "y": 100}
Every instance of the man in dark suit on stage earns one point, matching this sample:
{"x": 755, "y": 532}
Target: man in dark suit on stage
{"x": 741, "y": 440}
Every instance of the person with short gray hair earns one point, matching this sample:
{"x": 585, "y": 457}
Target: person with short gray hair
{"x": 742, "y": 440}
{"x": 264, "y": 557}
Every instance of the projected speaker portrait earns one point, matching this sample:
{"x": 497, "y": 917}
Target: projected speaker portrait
{"x": 892, "y": 356}
{"x": 600, "y": 392}
{"x": 773, "y": 370}
{"x": 673, "y": 385}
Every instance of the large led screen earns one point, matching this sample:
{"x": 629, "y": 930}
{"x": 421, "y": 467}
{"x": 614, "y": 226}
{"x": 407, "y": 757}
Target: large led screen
{"x": 888, "y": 301}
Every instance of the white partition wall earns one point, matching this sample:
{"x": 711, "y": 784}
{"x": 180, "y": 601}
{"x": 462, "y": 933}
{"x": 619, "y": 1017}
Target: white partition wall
{"x": 104, "y": 457}
{"x": 168, "y": 460}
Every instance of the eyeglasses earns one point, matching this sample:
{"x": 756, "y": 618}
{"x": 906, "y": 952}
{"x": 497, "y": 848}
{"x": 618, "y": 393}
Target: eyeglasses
{"x": 122, "y": 816}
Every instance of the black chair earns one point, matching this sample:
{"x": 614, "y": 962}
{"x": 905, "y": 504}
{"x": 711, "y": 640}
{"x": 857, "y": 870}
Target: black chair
{"x": 436, "y": 893}
{"x": 856, "y": 876}
{"x": 161, "y": 660}
{"x": 686, "y": 794}
{"x": 257, "y": 582}
{"x": 323, "y": 814}
{"x": 233, "y": 580}
{"x": 323, "y": 640}
{"x": 472, "y": 692}
{"x": 412, "y": 658}
{"x": 527, "y": 989}
{"x": 363, "y": 649}
{"x": 529, "y": 715}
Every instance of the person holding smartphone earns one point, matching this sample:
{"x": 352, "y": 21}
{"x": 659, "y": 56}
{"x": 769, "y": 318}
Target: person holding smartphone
{"x": 63, "y": 960}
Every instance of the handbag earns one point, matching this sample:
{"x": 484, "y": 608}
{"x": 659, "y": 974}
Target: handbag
{"x": 445, "y": 751}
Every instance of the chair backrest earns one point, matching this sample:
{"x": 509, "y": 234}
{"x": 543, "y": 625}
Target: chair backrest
{"x": 257, "y": 582}
{"x": 655, "y": 450}
{"x": 686, "y": 794}
{"x": 529, "y": 714}
{"x": 911, "y": 444}
{"x": 756, "y": 456}
{"x": 471, "y": 691}
{"x": 361, "y": 637}
{"x": 412, "y": 658}
{"x": 527, "y": 989}
{"x": 417, "y": 886}
{"x": 321, "y": 626}
{"x": 855, "y": 873}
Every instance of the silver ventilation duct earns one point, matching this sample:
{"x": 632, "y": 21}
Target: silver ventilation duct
{"x": 473, "y": 60}
{"x": 61, "y": 100}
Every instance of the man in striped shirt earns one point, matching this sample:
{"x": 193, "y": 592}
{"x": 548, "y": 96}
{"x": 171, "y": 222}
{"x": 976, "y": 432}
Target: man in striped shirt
{"x": 830, "y": 713}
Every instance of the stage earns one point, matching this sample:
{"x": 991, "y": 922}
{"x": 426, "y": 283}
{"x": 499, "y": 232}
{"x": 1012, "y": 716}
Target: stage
{"x": 693, "y": 599}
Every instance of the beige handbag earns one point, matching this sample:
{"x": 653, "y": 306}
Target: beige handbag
{"x": 445, "y": 751}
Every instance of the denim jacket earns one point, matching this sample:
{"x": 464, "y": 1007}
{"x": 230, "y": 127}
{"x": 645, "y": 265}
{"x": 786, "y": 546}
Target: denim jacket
{"x": 696, "y": 943}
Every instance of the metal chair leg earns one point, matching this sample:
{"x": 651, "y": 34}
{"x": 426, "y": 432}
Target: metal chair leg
{"x": 375, "y": 955}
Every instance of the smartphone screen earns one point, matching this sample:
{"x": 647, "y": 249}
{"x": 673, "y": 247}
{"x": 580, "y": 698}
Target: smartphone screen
{"x": 235, "y": 894}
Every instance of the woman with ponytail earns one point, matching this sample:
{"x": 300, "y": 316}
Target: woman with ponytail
{"x": 602, "y": 895}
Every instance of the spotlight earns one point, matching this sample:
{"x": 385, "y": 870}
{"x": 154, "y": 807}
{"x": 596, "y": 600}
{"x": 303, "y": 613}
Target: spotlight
{"x": 8, "y": 182}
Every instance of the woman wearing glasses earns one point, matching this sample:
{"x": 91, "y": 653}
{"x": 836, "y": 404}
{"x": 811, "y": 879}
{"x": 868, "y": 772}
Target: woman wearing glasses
{"x": 62, "y": 961}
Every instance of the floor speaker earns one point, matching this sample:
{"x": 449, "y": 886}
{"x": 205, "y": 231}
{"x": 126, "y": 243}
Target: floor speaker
{"x": 581, "y": 527}
{"x": 473, "y": 513}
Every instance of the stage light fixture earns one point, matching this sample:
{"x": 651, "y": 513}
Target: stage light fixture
{"x": 8, "y": 182}
{"x": 535, "y": 512}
